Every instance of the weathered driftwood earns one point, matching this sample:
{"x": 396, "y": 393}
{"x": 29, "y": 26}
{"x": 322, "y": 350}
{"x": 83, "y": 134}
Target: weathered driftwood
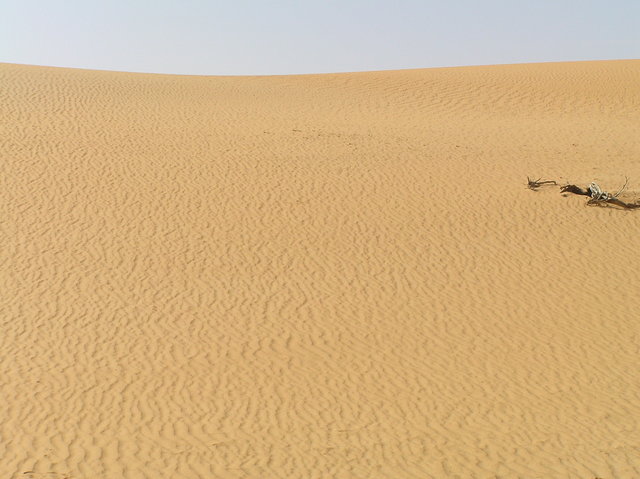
{"x": 599, "y": 197}
{"x": 576, "y": 190}
{"x": 597, "y": 193}
{"x": 624, "y": 187}
{"x": 535, "y": 184}
{"x": 614, "y": 202}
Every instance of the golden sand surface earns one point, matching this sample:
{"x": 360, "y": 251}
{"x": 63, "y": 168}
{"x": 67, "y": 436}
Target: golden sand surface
{"x": 319, "y": 276}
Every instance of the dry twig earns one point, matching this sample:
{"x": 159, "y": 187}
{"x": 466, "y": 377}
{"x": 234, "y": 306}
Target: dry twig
{"x": 599, "y": 197}
{"x": 535, "y": 184}
{"x": 624, "y": 187}
{"x": 615, "y": 202}
{"x": 576, "y": 190}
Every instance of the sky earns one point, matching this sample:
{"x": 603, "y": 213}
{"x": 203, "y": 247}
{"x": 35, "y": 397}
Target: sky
{"x": 267, "y": 37}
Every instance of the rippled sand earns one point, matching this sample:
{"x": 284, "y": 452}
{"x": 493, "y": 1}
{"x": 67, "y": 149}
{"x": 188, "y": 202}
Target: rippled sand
{"x": 320, "y": 275}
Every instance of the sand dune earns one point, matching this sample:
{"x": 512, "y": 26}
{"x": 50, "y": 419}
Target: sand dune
{"x": 319, "y": 275}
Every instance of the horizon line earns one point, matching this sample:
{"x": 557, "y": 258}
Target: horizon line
{"x": 345, "y": 72}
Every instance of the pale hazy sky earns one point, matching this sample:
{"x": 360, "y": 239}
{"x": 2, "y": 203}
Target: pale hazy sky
{"x": 240, "y": 37}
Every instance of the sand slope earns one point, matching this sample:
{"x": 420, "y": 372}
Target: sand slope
{"x": 319, "y": 276}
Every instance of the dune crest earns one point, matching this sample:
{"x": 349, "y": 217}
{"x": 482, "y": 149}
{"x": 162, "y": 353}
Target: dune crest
{"x": 319, "y": 275}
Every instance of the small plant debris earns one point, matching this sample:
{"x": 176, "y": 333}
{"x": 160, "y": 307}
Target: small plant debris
{"x": 597, "y": 196}
{"x": 535, "y": 184}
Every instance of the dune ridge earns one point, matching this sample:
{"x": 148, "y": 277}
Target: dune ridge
{"x": 319, "y": 275}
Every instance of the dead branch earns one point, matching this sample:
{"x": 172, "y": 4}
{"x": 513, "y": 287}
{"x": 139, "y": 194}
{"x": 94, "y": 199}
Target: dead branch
{"x": 624, "y": 187}
{"x": 576, "y": 190}
{"x": 613, "y": 201}
{"x": 597, "y": 196}
{"x": 535, "y": 184}
{"x": 597, "y": 193}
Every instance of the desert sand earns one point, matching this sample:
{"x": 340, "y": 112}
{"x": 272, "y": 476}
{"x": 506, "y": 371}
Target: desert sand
{"x": 312, "y": 276}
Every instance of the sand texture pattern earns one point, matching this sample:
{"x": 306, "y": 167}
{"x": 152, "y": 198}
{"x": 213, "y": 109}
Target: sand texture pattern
{"x": 319, "y": 276}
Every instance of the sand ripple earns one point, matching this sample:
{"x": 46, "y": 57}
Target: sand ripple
{"x": 318, "y": 276}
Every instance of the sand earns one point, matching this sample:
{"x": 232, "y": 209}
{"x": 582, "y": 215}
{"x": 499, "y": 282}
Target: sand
{"x": 317, "y": 276}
